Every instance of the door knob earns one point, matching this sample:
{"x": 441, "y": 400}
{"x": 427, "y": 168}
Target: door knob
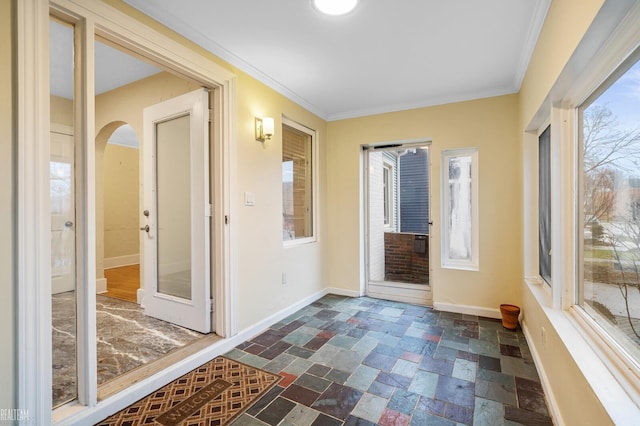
{"x": 145, "y": 228}
{"x": 68, "y": 224}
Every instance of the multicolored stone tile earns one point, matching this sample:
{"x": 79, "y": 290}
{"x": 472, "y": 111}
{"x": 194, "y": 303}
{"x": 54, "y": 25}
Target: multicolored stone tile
{"x": 363, "y": 361}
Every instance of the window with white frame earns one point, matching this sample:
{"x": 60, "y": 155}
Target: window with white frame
{"x": 608, "y": 222}
{"x": 460, "y": 209}
{"x": 297, "y": 182}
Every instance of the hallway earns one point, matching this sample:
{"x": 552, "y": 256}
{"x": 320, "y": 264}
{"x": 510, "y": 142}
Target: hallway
{"x": 365, "y": 361}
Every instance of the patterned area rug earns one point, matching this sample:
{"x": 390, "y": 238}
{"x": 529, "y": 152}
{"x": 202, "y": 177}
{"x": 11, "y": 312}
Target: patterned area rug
{"x": 213, "y": 394}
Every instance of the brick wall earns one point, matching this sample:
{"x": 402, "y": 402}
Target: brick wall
{"x": 406, "y": 257}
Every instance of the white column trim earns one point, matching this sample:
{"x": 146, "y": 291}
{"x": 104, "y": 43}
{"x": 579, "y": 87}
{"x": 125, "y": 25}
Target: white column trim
{"x": 33, "y": 218}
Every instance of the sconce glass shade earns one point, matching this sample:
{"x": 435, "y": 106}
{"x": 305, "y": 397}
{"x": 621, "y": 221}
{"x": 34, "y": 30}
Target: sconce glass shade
{"x": 334, "y": 7}
{"x": 268, "y": 127}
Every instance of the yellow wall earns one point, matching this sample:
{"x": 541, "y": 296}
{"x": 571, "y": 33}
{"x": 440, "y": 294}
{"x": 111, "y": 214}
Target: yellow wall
{"x": 261, "y": 256}
{"x": 7, "y": 181}
{"x": 564, "y": 27}
{"x": 61, "y": 110}
{"x": 566, "y": 24}
{"x": 490, "y": 125}
{"x": 121, "y": 201}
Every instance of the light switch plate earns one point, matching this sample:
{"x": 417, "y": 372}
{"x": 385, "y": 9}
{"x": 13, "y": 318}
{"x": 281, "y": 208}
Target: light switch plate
{"x": 249, "y": 199}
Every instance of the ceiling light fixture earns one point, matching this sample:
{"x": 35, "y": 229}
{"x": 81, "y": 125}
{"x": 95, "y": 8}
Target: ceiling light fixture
{"x": 334, "y": 7}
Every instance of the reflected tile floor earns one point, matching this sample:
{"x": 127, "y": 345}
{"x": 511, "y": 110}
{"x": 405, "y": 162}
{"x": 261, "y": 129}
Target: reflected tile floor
{"x": 364, "y": 361}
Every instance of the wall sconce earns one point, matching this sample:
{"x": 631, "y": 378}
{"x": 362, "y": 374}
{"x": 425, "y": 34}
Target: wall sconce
{"x": 264, "y": 128}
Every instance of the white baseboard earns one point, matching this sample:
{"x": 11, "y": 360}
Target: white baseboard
{"x": 140, "y": 297}
{"x": 344, "y": 292}
{"x": 101, "y": 285}
{"x": 117, "y": 262}
{"x": 260, "y": 326}
{"x": 468, "y": 310}
{"x": 554, "y": 410}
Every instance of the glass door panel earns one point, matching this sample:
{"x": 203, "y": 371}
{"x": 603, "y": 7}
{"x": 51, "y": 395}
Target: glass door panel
{"x": 173, "y": 185}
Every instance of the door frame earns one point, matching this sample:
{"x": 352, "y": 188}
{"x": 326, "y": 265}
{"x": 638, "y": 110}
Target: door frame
{"x": 33, "y": 377}
{"x": 406, "y": 292}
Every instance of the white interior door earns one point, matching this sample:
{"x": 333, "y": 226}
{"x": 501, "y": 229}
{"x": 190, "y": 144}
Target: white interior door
{"x": 63, "y": 234}
{"x": 177, "y": 212}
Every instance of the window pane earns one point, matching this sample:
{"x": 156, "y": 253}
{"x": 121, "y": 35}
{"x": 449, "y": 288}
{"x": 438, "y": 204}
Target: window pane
{"x": 611, "y": 212}
{"x": 544, "y": 204}
{"x": 460, "y": 207}
{"x": 297, "y": 196}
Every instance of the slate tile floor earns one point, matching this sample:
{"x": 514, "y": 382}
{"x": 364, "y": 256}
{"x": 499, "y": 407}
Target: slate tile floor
{"x": 363, "y": 361}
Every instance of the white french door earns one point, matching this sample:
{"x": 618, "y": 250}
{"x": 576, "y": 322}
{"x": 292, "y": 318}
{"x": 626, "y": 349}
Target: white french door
{"x": 62, "y": 189}
{"x": 177, "y": 212}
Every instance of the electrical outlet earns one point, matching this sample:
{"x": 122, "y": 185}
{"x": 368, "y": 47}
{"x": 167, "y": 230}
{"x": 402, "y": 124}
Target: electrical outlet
{"x": 284, "y": 278}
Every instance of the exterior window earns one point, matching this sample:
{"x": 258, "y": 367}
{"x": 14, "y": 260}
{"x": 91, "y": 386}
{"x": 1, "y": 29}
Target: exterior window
{"x": 387, "y": 187}
{"x": 544, "y": 205}
{"x": 460, "y": 209}
{"x": 609, "y": 288}
{"x": 297, "y": 182}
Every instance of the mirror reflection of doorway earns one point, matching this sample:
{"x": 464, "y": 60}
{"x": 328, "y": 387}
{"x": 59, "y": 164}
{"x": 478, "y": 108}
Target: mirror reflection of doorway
{"x": 121, "y": 195}
{"x": 398, "y": 221}
{"x": 126, "y": 337}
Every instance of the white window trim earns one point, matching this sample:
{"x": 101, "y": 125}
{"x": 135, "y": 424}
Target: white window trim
{"x": 34, "y": 376}
{"x": 472, "y": 264}
{"x": 314, "y": 184}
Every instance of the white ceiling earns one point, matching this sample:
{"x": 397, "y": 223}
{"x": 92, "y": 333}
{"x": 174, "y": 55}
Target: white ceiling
{"x": 386, "y": 55}
{"x": 113, "y": 67}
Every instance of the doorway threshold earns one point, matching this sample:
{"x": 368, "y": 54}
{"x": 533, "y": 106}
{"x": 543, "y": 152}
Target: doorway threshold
{"x": 145, "y": 371}
{"x": 416, "y": 294}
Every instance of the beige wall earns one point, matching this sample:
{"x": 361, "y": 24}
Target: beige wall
{"x": 121, "y": 201}
{"x": 7, "y": 218}
{"x": 566, "y": 24}
{"x": 261, "y": 256}
{"x": 490, "y": 125}
{"x": 61, "y": 110}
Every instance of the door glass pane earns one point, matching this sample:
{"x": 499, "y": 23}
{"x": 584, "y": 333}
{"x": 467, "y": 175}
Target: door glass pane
{"x": 63, "y": 235}
{"x": 173, "y": 207}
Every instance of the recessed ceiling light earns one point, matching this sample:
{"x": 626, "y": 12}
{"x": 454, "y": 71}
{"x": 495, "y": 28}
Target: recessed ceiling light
{"x": 334, "y": 7}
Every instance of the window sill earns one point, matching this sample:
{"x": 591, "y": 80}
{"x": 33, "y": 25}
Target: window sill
{"x": 618, "y": 398}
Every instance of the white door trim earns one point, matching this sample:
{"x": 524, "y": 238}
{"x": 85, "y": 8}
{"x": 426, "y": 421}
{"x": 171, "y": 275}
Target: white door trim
{"x": 32, "y": 216}
{"x": 33, "y": 221}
